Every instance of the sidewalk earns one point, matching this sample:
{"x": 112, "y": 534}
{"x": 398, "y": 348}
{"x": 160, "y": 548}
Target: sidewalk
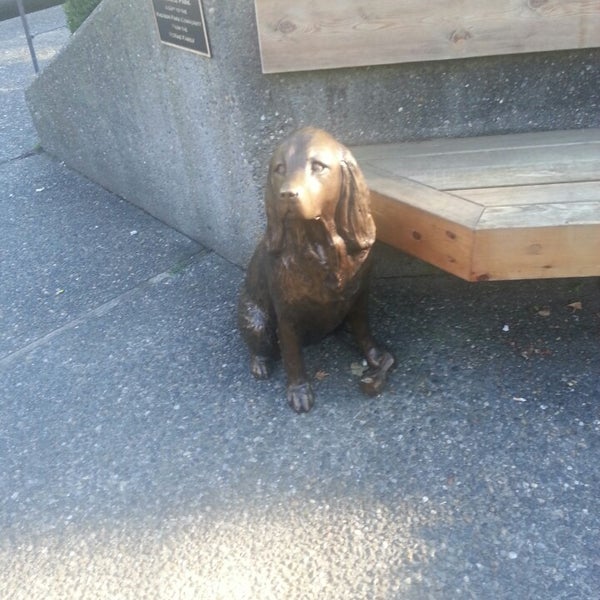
{"x": 139, "y": 459}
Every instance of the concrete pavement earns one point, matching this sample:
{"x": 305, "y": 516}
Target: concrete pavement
{"x": 138, "y": 458}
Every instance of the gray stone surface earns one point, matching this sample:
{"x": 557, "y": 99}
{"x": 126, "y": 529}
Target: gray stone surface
{"x": 188, "y": 138}
{"x": 142, "y": 459}
{"x": 47, "y": 212}
{"x": 139, "y": 459}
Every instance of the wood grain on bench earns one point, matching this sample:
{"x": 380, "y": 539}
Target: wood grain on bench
{"x": 305, "y": 35}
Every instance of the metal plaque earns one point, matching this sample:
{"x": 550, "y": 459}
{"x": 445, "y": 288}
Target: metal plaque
{"x": 181, "y": 24}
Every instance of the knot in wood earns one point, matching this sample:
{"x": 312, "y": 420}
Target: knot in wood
{"x": 286, "y": 26}
{"x": 460, "y": 35}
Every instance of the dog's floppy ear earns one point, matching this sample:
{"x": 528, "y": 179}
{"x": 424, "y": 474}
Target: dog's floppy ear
{"x": 274, "y": 233}
{"x": 353, "y": 216}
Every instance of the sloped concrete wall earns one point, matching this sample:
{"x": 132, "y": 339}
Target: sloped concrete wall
{"x": 188, "y": 138}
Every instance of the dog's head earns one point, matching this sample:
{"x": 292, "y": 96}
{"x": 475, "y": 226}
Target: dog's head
{"x": 314, "y": 177}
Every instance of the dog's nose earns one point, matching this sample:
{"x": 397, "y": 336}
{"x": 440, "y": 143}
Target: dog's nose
{"x": 289, "y": 194}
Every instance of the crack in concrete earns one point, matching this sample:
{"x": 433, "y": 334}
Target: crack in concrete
{"x": 35, "y": 151}
{"x": 103, "y": 309}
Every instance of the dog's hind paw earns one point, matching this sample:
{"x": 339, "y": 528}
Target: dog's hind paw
{"x": 300, "y": 397}
{"x": 373, "y": 380}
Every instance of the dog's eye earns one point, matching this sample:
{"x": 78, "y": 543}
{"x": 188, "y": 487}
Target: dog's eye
{"x": 280, "y": 169}
{"x": 317, "y": 167}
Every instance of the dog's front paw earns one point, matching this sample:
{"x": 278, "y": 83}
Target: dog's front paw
{"x": 300, "y": 397}
{"x": 259, "y": 367}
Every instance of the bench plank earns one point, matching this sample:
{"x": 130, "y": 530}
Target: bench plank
{"x": 479, "y": 162}
{"x": 541, "y": 215}
{"x": 475, "y": 145}
{"x": 579, "y": 191}
{"x": 429, "y": 199}
{"x": 536, "y": 253}
{"x": 306, "y": 35}
{"x": 437, "y": 240}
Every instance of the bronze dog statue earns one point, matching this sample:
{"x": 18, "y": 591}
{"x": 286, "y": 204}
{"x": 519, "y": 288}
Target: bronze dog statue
{"x": 309, "y": 273}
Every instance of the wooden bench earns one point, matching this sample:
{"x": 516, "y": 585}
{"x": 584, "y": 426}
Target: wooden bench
{"x": 488, "y": 208}
{"x": 517, "y": 206}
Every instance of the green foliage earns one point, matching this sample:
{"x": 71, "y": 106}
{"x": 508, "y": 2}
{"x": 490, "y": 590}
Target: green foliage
{"x": 77, "y": 11}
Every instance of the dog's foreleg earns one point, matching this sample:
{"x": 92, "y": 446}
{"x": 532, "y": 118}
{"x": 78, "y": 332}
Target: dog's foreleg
{"x": 259, "y": 335}
{"x": 299, "y": 392}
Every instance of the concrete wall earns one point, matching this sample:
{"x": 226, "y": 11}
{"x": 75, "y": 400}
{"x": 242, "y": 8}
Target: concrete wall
{"x": 188, "y": 138}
